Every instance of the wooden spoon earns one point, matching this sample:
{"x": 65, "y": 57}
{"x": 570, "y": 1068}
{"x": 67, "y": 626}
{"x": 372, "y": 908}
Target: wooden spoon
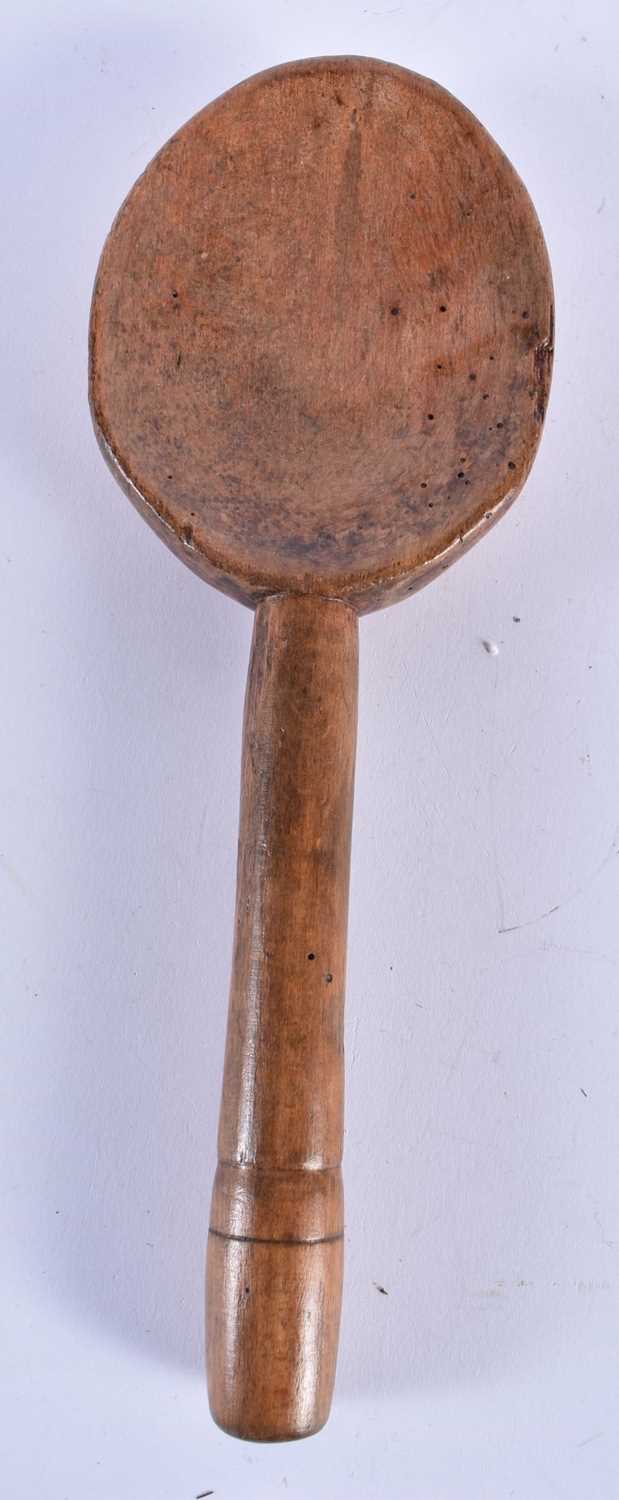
{"x": 320, "y": 352}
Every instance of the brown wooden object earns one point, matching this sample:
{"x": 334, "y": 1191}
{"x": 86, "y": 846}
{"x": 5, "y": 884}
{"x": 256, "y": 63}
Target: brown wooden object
{"x": 320, "y": 352}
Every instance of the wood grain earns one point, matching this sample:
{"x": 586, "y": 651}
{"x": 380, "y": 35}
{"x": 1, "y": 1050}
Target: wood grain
{"x": 320, "y": 352}
{"x": 275, "y": 1244}
{"x": 321, "y": 334}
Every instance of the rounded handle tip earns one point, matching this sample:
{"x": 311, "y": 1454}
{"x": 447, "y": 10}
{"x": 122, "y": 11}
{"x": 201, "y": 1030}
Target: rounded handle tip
{"x": 273, "y": 1313}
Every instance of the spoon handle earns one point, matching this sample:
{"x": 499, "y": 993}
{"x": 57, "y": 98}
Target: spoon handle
{"x": 275, "y": 1253}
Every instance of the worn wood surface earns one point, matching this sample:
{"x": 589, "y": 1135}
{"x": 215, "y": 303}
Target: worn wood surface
{"x": 322, "y": 332}
{"x": 275, "y": 1243}
{"x": 320, "y": 352}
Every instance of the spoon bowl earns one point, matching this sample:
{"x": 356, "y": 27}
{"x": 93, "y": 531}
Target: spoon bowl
{"x": 321, "y": 334}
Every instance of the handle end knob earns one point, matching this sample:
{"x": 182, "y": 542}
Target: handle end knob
{"x": 273, "y": 1314}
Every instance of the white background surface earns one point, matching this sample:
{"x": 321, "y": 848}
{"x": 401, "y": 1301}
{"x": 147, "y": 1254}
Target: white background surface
{"x": 482, "y": 1025}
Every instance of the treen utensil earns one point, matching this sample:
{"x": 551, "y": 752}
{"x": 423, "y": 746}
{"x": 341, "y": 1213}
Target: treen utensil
{"x": 320, "y": 352}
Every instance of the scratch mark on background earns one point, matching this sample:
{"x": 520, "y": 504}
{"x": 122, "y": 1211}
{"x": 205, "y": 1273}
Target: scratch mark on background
{"x": 612, "y": 852}
{"x": 16, "y": 880}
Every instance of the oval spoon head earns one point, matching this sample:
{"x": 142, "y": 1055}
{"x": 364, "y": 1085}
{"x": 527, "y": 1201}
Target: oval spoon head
{"x": 321, "y": 334}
